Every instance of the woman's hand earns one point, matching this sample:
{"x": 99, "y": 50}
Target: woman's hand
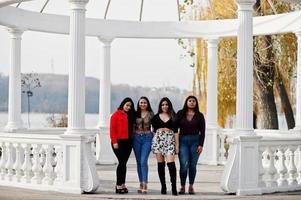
{"x": 200, "y": 149}
{"x": 115, "y": 146}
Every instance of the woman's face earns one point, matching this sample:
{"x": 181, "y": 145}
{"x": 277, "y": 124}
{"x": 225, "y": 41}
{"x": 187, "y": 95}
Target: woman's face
{"x": 127, "y": 106}
{"x": 143, "y": 104}
{"x": 164, "y": 106}
{"x": 191, "y": 103}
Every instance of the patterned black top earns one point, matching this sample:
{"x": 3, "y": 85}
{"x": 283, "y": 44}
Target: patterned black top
{"x": 144, "y": 124}
{"x": 158, "y": 123}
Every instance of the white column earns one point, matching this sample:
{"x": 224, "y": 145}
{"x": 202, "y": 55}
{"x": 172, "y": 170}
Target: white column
{"x": 244, "y": 97}
{"x": 14, "y": 99}
{"x": 105, "y": 84}
{"x": 298, "y": 84}
{"x": 211, "y": 113}
{"x": 242, "y": 170}
{"x": 211, "y": 145}
{"x": 76, "y": 87}
{"x": 104, "y": 153}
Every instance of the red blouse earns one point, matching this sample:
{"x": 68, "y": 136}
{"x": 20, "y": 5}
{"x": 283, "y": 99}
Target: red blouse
{"x": 119, "y": 126}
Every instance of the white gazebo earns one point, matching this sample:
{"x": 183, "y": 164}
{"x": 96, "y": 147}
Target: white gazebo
{"x": 62, "y": 158}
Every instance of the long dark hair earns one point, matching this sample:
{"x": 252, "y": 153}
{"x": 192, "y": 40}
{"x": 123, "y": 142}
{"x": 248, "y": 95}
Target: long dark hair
{"x": 149, "y": 108}
{"x": 131, "y": 112}
{"x": 184, "y": 110}
{"x": 171, "y": 111}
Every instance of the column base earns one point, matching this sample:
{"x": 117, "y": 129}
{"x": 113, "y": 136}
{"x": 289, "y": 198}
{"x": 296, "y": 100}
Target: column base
{"x": 104, "y": 152}
{"x": 13, "y": 127}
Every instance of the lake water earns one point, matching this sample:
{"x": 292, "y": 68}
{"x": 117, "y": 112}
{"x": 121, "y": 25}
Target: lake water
{"x": 39, "y": 120}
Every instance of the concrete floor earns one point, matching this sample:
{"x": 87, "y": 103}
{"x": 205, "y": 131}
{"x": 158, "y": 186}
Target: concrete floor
{"x": 206, "y": 187}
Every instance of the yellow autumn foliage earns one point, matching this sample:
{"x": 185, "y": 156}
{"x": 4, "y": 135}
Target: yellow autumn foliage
{"x": 227, "y": 9}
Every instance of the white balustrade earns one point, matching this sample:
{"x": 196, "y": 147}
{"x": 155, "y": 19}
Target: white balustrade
{"x": 281, "y": 162}
{"x": 9, "y": 161}
{"x": 18, "y": 163}
{"x": 48, "y": 169}
{"x": 270, "y": 168}
{"x": 36, "y": 168}
{"x": 26, "y": 167}
{"x": 3, "y": 161}
{"x": 261, "y": 183}
{"x": 299, "y": 164}
{"x": 46, "y": 160}
{"x": 58, "y": 171}
{"x": 281, "y": 169}
{"x": 291, "y": 166}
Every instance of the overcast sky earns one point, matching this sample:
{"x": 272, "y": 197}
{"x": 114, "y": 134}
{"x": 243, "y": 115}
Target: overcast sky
{"x": 134, "y": 61}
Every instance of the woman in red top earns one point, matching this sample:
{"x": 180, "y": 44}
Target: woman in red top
{"x": 121, "y": 130}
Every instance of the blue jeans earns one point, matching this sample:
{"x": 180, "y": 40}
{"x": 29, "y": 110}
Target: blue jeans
{"x": 142, "y": 147}
{"x": 188, "y": 157}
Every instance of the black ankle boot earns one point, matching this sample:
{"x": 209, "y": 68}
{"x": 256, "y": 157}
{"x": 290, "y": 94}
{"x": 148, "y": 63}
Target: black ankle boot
{"x": 161, "y": 172}
{"x": 173, "y": 177}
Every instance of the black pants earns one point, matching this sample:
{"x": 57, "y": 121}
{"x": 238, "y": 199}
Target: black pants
{"x": 122, "y": 153}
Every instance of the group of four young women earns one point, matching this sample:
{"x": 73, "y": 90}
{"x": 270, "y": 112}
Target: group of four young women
{"x": 165, "y": 134}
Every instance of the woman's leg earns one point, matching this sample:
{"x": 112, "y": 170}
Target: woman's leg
{"x": 193, "y": 161}
{"x": 161, "y": 172}
{"x": 127, "y": 149}
{"x": 137, "y": 147}
{"x": 184, "y": 161}
{"x": 119, "y": 168}
{"x": 145, "y": 150}
{"x": 172, "y": 173}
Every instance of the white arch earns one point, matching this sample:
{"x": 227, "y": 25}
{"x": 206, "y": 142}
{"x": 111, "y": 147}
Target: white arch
{"x": 51, "y": 23}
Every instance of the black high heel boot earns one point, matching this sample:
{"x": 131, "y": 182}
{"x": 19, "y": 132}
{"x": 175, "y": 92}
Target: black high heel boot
{"x": 161, "y": 172}
{"x": 173, "y": 177}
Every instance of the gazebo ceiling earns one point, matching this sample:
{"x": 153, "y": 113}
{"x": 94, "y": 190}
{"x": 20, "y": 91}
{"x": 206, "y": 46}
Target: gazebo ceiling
{"x": 28, "y": 20}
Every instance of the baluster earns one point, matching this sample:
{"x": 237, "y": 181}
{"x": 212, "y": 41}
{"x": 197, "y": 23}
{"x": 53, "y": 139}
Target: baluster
{"x": 26, "y": 167}
{"x": 59, "y": 165}
{"x": 222, "y": 148}
{"x": 281, "y": 168}
{"x": 299, "y": 164}
{"x": 36, "y": 168}
{"x": 9, "y": 161}
{"x": 18, "y": 163}
{"x": 47, "y": 169}
{"x": 271, "y": 170}
{"x": 42, "y": 156}
{"x": 261, "y": 183}
{"x": 3, "y": 161}
{"x": 291, "y": 166}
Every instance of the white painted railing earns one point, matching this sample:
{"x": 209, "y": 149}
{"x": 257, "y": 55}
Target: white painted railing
{"x": 280, "y": 162}
{"x": 265, "y": 162}
{"x": 48, "y": 160}
{"x": 215, "y": 151}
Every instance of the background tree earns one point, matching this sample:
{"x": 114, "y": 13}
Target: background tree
{"x": 274, "y": 62}
{"x": 29, "y": 82}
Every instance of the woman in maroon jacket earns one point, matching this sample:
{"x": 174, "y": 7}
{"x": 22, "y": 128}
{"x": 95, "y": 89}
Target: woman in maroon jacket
{"x": 121, "y": 130}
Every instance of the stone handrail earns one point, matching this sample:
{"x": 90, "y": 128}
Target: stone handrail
{"x": 279, "y": 163}
{"x": 48, "y": 161}
{"x": 265, "y": 162}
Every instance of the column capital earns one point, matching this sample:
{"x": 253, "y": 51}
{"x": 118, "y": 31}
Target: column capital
{"x": 15, "y": 33}
{"x": 78, "y": 4}
{"x": 106, "y": 41}
{"x": 246, "y": 5}
{"x": 212, "y": 42}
